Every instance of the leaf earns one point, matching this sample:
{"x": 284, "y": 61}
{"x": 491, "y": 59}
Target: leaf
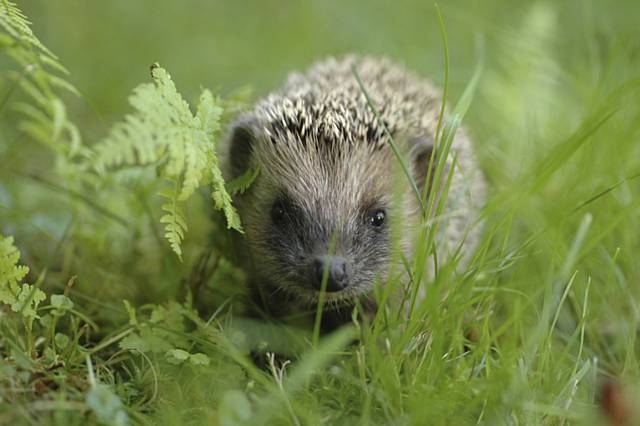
{"x": 131, "y": 312}
{"x": 222, "y": 200}
{"x": 199, "y": 359}
{"x": 175, "y": 225}
{"x": 158, "y": 314}
{"x": 10, "y": 272}
{"x": 61, "y": 340}
{"x": 62, "y": 304}
{"x": 134, "y": 342}
{"x": 148, "y": 340}
{"x": 24, "y": 298}
{"x": 240, "y": 184}
{"x": 38, "y": 76}
{"x": 163, "y": 131}
{"x": 209, "y": 113}
{"x": 50, "y": 357}
{"x": 28, "y": 300}
{"x": 45, "y": 320}
{"x": 15, "y": 23}
{"x": 177, "y": 356}
{"x": 60, "y": 301}
{"x": 22, "y": 359}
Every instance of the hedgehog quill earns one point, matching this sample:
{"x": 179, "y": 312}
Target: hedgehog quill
{"x": 328, "y": 189}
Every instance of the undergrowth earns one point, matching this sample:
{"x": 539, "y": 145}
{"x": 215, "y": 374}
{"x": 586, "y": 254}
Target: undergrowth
{"x": 131, "y": 309}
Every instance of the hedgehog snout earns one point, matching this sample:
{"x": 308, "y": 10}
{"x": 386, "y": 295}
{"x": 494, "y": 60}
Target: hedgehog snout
{"x": 337, "y": 274}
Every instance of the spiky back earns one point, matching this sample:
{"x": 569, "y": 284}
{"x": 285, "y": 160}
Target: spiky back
{"x": 326, "y": 103}
{"x": 325, "y": 107}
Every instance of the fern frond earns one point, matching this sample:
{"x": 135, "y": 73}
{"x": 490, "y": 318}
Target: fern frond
{"x": 162, "y": 130}
{"x": 240, "y": 184}
{"x": 16, "y": 24}
{"x": 37, "y": 74}
{"x": 10, "y": 272}
{"x": 22, "y": 298}
{"x": 222, "y": 200}
{"x": 175, "y": 224}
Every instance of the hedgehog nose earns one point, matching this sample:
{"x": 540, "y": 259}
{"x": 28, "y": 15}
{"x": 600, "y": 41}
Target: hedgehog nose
{"x": 336, "y": 267}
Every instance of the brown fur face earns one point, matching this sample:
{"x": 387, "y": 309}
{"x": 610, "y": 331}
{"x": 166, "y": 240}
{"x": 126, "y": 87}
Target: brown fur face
{"x": 330, "y": 186}
{"x": 309, "y": 194}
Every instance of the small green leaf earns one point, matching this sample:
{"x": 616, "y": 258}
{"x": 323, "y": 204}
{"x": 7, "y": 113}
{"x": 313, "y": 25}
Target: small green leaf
{"x": 10, "y": 272}
{"x": 175, "y": 224}
{"x": 222, "y": 201}
{"x": 240, "y": 184}
{"x": 61, "y": 340}
{"x": 177, "y": 356}
{"x": 158, "y": 314}
{"x": 61, "y": 301}
{"x": 147, "y": 340}
{"x": 28, "y": 300}
{"x": 50, "y": 356}
{"x": 133, "y": 320}
{"x": 134, "y": 342}
{"x": 22, "y": 360}
{"x": 199, "y": 359}
{"x": 45, "y": 320}
{"x": 62, "y": 304}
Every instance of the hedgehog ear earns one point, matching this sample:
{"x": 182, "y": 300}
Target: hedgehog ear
{"x": 421, "y": 151}
{"x": 241, "y": 141}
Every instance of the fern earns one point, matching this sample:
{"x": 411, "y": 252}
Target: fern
{"x": 162, "y": 131}
{"x": 22, "y": 298}
{"x": 240, "y": 184}
{"x": 175, "y": 224}
{"x": 38, "y": 75}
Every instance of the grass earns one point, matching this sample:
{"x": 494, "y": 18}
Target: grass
{"x": 539, "y": 328}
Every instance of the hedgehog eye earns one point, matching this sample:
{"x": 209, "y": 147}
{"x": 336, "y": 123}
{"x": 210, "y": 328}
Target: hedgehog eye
{"x": 376, "y": 217}
{"x": 278, "y": 213}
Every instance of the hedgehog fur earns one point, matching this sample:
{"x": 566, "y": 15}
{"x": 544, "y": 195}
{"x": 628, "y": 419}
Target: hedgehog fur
{"x": 326, "y": 166}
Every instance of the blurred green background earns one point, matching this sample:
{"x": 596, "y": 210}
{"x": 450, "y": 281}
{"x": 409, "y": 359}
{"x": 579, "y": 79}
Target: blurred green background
{"x": 109, "y": 45}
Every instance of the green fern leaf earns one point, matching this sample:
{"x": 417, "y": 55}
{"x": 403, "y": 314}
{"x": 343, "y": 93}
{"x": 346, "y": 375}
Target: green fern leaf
{"x": 22, "y": 298}
{"x": 240, "y": 184}
{"x": 10, "y": 272}
{"x": 162, "y": 130}
{"x": 175, "y": 224}
{"x": 36, "y": 71}
{"x": 209, "y": 113}
{"x": 28, "y": 300}
{"x": 222, "y": 200}
{"x": 16, "y": 24}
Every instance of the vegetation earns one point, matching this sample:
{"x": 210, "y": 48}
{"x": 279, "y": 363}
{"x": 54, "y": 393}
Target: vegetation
{"x": 120, "y": 301}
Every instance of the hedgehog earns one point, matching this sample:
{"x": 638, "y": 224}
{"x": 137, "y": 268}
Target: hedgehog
{"x": 320, "y": 215}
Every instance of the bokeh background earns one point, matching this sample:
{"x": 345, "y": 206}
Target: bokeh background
{"x": 109, "y": 45}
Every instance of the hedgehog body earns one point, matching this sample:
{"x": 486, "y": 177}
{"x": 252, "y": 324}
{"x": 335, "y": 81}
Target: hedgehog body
{"x": 331, "y": 191}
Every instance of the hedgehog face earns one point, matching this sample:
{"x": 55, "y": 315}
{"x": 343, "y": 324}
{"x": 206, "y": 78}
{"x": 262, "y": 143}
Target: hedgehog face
{"x": 320, "y": 207}
{"x": 301, "y": 239}
{"x": 320, "y": 212}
